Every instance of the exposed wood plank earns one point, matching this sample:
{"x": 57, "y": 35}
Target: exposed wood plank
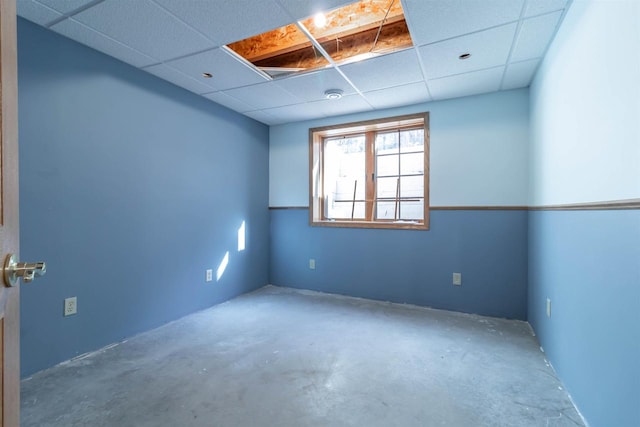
{"x": 276, "y": 42}
{"x": 356, "y": 17}
{"x": 361, "y": 28}
{"x": 392, "y": 37}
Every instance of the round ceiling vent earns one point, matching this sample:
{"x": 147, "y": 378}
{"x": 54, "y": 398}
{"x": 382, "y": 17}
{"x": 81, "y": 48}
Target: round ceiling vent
{"x": 333, "y": 94}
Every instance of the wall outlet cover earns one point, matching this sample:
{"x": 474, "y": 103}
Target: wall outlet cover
{"x": 457, "y": 279}
{"x": 70, "y": 306}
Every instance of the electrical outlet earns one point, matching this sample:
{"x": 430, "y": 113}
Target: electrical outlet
{"x": 70, "y": 306}
{"x": 457, "y": 279}
{"x": 312, "y": 264}
{"x": 209, "y": 276}
{"x": 548, "y": 307}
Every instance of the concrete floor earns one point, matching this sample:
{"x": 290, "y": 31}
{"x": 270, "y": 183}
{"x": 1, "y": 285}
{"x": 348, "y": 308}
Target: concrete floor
{"x": 282, "y": 357}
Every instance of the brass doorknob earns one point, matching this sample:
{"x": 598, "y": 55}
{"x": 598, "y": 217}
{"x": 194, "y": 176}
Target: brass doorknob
{"x": 13, "y": 270}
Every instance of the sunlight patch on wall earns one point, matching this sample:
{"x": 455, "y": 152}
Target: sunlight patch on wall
{"x": 241, "y": 237}
{"x": 222, "y": 267}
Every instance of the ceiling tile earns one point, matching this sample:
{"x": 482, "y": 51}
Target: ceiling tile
{"x": 345, "y": 105}
{"x": 520, "y": 74}
{"x": 311, "y": 86}
{"x": 304, "y": 9}
{"x": 538, "y": 7}
{"x": 488, "y": 48}
{"x": 466, "y": 84}
{"x": 144, "y": 26}
{"x": 36, "y": 12}
{"x": 385, "y": 71}
{"x": 325, "y": 108}
{"x": 66, "y": 6}
{"x": 85, "y": 35}
{"x": 229, "y": 101}
{"x": 534, "y": 36}
{"x": 228, "y": 70}
{"x": 397, "y": 96}
{"x": 261, "y": 116}
{"x": 187, "y": 35}
{"x": 295, "y": 113}
{"x": 177, "y": 78}
{"x": 228, "y": 21}
{"x": 432, "y": 21}
{"x": 264, "y": 95}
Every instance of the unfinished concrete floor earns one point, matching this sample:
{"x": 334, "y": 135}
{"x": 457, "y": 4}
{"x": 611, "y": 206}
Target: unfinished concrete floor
{"x": 282, "y": 357}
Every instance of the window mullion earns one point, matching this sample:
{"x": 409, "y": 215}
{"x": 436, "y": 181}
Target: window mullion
{"x": 370, "y": 181}
{"x": 323, "y": 201}
{"x": 398, "y": 204}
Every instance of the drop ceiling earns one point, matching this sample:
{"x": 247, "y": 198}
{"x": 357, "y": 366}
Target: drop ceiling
{"x": 179, "y": 40}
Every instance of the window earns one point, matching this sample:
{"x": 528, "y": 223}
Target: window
{"x": 371, "y": 174}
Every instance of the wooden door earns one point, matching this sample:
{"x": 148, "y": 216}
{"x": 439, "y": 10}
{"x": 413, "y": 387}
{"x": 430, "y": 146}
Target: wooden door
{"x": 9, "y": 228}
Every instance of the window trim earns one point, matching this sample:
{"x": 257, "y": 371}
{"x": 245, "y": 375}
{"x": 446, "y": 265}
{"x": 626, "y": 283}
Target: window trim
{"x": 316, "y": 147}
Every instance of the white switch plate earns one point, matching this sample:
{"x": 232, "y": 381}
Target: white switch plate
{"x": 457, "y": 279}
{"x": 209, "y": 275}
{"x": 548, "y": 307}
{"x": 312, "y": 264}
{"x": 70, "y": 306}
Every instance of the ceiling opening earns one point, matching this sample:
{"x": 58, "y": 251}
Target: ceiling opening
{"x": 358, "y": 31}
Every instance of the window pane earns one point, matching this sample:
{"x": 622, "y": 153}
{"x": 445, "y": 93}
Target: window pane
{"x": 412, "y": 210}
{"x": 344, "y": 170}
{"x": 387, "y": 143}
{"x": 412, "y": 186}
{"x": 342, "y": 210}
{"x": 358, "y": 212}
{"x": 387, "y": 165}
{"x": 385, "y": 210}
{"x": 386, "y": 188}
{"x": 412, "y": 140}
{"x": 344, "y": 189}
{"x": 412, "y": 163}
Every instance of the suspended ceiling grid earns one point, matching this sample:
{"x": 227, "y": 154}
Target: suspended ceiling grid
{"x": 178, "y": 40}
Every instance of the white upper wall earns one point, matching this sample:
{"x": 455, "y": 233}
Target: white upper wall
{"x": 478, "y": 147}
{"x": 585, "y": 107}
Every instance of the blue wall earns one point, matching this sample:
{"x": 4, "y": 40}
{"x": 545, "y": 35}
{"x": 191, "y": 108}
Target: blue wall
{"x": 478, "y": 151}
{"x": 130, "y": 189}
{"x": 585, "y": 147}
{"x": 588, "y": 264}
{"x": 407, "y": 266}
{"x": 478, "y": 157}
